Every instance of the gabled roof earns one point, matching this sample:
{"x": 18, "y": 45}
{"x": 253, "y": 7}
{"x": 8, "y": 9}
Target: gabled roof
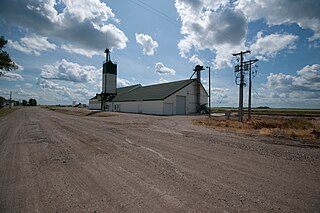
{"x": 150, "y": 93}
{"x": 120, "y": 90}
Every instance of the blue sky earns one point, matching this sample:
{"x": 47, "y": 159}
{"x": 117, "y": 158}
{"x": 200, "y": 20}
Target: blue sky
{"x": 59, "y": 45}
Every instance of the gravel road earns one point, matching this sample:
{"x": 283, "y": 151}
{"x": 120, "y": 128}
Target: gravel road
{"x": 53, "y": 162}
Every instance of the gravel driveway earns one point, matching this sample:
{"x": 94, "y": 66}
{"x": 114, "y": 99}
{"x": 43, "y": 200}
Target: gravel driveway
{"x": 53, "y": 162}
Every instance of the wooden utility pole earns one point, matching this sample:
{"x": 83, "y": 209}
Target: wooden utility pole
{"x": 250, "y": 62}
{"x": 209, "y": 91}
{"x": 10, "y": 100}
{"x": 240, "y": 112}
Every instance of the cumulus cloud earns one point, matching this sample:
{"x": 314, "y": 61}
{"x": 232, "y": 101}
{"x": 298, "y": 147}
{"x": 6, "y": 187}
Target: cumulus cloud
{"x": 28, "y": 85}
{"x": 304, "y": 13}
{"x": 270, "y": 45}
{"x": 78, "y": 50}
{"x": 221, "y": 26}
{"x": 219, "y": 94}
{"x": 67, "y": 81}
{"x": 123, "y": 82}
{"x": 210, "y": 25}
{"x": 85, "y": 24}
{"x": 302, "y": 87}
{"x": 65, "y": 92}
{"x": 162, "y": 80}
{"x": 148, "y": 44}
{"x": 163, "y": 70}
{"x": 196, "y": 60}
{"x": 32, "y": 44}
{"x": 12, "y": 76}
{"x": 69, "y": 71}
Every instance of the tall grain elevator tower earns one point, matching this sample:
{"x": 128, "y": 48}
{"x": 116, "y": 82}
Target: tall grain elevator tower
{"x": 109, "y": 80}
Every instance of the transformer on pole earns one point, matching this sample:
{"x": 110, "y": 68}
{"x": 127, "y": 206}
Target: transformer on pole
{"x": 241, "y": 84}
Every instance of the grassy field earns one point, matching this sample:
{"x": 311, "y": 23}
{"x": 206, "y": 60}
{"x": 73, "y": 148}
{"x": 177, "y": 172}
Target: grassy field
{"x": 276, "y": 125}
{"x": 5, "y": 111}
{"x": 275, "y": 111}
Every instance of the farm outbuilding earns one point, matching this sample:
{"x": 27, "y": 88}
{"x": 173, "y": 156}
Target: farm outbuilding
{"x": 174, "y": 98}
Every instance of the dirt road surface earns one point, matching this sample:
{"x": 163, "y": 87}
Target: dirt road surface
{"x": 53, "y": 162}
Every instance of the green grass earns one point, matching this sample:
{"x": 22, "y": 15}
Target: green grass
{"x": 6, "y": 111}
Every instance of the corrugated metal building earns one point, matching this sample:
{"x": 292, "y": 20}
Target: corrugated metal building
{"x": 174, "y": 98}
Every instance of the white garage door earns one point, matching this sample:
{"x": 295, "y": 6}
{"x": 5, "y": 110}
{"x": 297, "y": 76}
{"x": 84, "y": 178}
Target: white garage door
{"x": 181, "y": 105}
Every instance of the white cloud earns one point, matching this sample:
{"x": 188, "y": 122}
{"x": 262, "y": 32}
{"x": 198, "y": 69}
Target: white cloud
{"x": 12, "y": 76}
{"x": 83, "y": 23}
{"x": 65, "y": 92}
{"x": 163, "y": 70}
{"x": 304, "y": 87}
{"x": 270, "y": 45}
{"x": 66, "y": 81}
{"x": 78, "y": 50}
{"x": 123, "y": 82}
{"x": 218, "y": 94}
{"x": 221, "y": 26}
{"x": 196, "y": 60}
{"x": 28, "y": 85}
{"x": 162, "y": 80}
{"x": 69, "y": 71}
{"x": 148, "y": 44}
{"x": 276, "y": 12}
{"x": 211, "y": 25}
{"x": 32, "y": 44}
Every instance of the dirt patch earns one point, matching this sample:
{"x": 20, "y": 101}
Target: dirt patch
{"x": 82, "y": 111}
{"x": 274, "y": 126}
{"x": 53, "y": 162}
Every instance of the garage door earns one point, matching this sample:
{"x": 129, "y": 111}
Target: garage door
{"x": 181, "y": 105}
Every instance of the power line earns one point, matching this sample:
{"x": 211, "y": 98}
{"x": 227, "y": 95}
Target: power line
{"x": 164, "y": 16}
{"x": 155, "y": 11}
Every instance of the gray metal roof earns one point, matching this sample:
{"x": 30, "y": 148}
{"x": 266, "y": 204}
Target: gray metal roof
{"x": 150, "y": 93}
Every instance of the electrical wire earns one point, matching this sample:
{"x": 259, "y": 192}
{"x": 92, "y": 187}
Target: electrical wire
{"x": 155, "y": 11}
{"x": 161, "y": 14}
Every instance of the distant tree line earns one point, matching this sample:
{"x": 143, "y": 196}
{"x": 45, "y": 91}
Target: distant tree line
{"x": 31, "y": 102}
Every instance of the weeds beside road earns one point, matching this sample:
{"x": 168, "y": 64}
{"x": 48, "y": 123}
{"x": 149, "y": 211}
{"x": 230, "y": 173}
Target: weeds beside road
{"x": 6, "y": 111}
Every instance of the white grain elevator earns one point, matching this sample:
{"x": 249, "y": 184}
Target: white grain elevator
{"x": 109, "y": 80}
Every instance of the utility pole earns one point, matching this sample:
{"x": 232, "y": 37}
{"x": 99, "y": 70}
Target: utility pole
{"x": 250, "y": 62}
{"x": 240, "y": 113}
{"x": 10, "y": 99}
{"x": 209, "y": 91}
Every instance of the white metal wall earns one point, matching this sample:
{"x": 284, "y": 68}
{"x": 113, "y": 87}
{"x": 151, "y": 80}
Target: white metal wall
{"x": 190, "y": 92}
{"x": 145, "y": 107}
{"x": 94, "y": 104}
{"x": 160, "y": 107}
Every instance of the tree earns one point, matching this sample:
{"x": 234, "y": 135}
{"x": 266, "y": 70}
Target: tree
{"x": 2, "y": 100}
{"x": 24, "y": 102}
{"x": 32, "y": 102}
{"x": 6, "y": 64}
